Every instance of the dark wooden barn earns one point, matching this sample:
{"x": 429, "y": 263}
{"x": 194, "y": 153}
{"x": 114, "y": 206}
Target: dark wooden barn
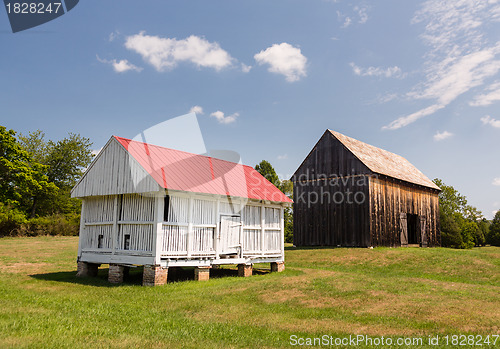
{"x": 349, "y": 193}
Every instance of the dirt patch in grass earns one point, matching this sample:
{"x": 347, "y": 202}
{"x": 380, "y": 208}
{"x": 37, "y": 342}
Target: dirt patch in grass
{"x": 24, "y": 267}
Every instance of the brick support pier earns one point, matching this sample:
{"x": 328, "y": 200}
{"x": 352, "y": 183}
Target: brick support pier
{"x": 277, "y": 266}
{"x": 245, "y": 270}
{"x": 116, "y": 273}
{"x": 154, "y": 275}
{"x": 202, "y": 273}
{"x": 86, "y": 269}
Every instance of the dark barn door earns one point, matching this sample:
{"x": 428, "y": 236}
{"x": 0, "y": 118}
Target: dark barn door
{"x": 403, "y": 223}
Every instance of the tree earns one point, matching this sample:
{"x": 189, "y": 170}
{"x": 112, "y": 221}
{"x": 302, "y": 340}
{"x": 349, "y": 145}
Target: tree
{"x": 64, "y": 161}
{"x": 21, "y": 178}
{"x": 268, "y": 172}
{"x": 286, "y": 186}
{"x": 450, "y": 231}
{"x": 462, "y": 225}
{"x": 494, "y": 232}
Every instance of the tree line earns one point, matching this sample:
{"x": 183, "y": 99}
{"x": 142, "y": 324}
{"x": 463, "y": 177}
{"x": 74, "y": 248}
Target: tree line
{"x": 36, "y": 177}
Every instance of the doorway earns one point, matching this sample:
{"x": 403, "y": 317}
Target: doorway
{"x": 229, "y": 235}
{"x": 413, "y": 229}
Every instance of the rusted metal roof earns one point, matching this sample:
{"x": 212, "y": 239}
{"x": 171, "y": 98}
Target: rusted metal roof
{"x": 178, "y": 170}
{"x": 384, "y": 162}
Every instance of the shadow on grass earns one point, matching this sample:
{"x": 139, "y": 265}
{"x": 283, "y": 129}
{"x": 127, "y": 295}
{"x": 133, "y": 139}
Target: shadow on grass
{"x": 134, "y": 277}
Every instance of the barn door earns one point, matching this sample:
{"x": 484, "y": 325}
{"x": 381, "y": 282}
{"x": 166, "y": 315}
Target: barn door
{"x": 423, "y": 232}
{"x": 229, "y": 235}
{"x": 403, "y": 224}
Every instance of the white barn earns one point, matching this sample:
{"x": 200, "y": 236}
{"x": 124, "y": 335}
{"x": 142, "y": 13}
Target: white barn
{"x": 147, "y": 205}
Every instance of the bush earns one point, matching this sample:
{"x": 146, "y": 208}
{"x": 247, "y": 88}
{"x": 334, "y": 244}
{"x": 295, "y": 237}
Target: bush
{"x": 11, "y": 220}
{"x": 53, "y": 225}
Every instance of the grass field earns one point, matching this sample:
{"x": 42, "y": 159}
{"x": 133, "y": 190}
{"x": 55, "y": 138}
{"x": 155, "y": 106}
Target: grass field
{"x": 408, "y": 292}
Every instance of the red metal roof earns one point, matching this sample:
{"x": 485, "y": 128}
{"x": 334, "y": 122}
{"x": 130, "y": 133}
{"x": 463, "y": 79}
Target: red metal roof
{"x": 179, "y": 170}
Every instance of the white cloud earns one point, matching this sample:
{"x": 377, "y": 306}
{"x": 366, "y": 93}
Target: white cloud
{"x": 487, "y": 98}
{"x": 245, "y": 68}
{"x": 283, "y": 157}
{"x": 165, "y": 53}
{"x": 406, "y": 120}
{"x": 346, "y": 20}
{"x": 459, "y": 57}
{"x": 496, "y": 181}
{"x": 439, "y": 136}
{"x": 359, "y": 12}
{"x": 387, "y": 97}
{"x": 120, "y": 66}
{"x": 377, "y": 71}
{"x": 221, "y": 118}
{"x": 196, "y": 109}
{"x": 488, "y": 120}
{"x": 284, "y": 59}
{"x": 362, "y": 13}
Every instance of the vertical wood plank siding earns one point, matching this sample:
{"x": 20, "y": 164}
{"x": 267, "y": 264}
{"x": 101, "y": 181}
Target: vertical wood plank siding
{"x": 114, "y": 171}
{"x": 391, "y": 198}
{"x": 136, "y": 219}
{"x": 205, "y": 222}
{"x": 323, "y": 215}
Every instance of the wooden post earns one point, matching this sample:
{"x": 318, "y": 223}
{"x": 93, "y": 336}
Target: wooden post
{"x": 190, "y": 226}
{"x": 158, "y": 227}
{"x": 217, "y": 229}
{"x": 282, "y": 222}
{"x": 115, "y": 224}
{"x": 242, "y": 205}
{"x": 82, "y": 230}
{"x": 262, "y": 227}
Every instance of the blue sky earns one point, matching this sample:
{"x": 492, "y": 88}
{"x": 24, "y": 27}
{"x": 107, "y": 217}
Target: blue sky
{"x": 421, "y": 79}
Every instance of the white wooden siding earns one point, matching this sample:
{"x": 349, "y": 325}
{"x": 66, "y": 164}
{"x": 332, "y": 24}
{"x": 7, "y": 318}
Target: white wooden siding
{"x": 136, "y": 214}
{"x": 191, "y": 230}
{"x": 178, "y": 209}
{"x": 99, "y": 209}
{"x": 180, "y": 237}
{"x": 114, "y": 171}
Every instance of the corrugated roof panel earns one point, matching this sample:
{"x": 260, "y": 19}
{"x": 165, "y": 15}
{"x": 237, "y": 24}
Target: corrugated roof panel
{"x": 178, "y": 170}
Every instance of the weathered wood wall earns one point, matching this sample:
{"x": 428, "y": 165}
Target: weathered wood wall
{"x": 389, "y": 198}
{"x": 331, "y": 171}
{"x": 321, "y": 217}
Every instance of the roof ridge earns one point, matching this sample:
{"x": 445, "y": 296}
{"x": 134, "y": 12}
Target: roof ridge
{"x": 383, "y": 161}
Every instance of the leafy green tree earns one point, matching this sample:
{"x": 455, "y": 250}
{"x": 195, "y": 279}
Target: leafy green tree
{"x": 494, "y": 232}
{"x": 462, "y": 225}
{"x": 21, "y": 178}
{"x": 268, "y": 172}
{"x": 450, "y": 200}
{"x": 286, "y": 186}
{"x": 65, "y": 162}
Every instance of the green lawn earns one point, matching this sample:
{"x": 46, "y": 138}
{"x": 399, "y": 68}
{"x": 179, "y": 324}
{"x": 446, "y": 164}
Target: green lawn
{"x": 408, "y": 292}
